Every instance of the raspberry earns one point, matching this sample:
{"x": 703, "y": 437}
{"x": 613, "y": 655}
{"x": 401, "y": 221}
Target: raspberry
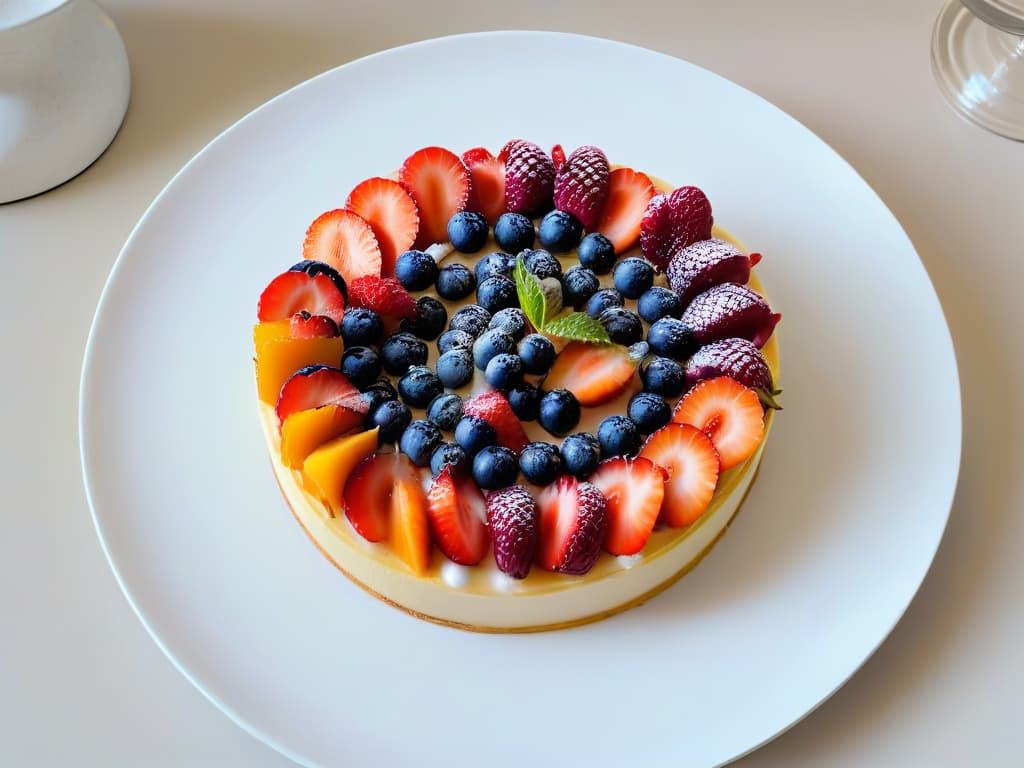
{"x": 385, "y": 296}
{"x": 674, "y": 221}
{"x": 529, "y": 176}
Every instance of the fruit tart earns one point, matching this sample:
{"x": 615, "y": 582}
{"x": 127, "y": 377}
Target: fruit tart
{"x": 519, "y": 391}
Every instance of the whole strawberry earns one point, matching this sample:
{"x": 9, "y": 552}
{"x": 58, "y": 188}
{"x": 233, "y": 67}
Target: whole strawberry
{"x": 730, "y": 310}
{"x": 674, "y": 221}
{"x": 736, "y": 358}
{"x": 514, "y": 522}
{"x": 581, "y": 186}
{"x": 707, "y": 263}
{"x": 529, "y": 176}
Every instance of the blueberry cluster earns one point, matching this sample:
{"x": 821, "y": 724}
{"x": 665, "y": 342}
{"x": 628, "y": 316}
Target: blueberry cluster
{"x": 494, "y": 336}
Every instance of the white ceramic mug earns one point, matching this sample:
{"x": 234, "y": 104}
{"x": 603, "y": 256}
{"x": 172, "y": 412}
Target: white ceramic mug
{"x": 64, "y": 86}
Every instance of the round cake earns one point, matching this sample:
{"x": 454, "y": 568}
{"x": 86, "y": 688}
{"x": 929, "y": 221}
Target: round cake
{"x": 516, "y": 392}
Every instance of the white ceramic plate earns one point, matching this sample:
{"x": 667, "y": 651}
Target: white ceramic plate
{"x": 831, "y": 546}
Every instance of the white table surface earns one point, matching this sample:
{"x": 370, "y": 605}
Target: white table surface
{"x": 83, "y": 684}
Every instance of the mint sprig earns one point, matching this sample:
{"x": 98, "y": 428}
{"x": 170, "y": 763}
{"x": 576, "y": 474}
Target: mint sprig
{"x": 539, "y": 308}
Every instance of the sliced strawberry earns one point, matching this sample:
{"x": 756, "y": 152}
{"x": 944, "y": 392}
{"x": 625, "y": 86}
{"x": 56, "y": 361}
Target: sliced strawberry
{"x": 343, "y": 240}
{"x": 573, "y": 522}
{"x": 292, "y": 292}
{"x": 581, "y": 186}
{"x": 729, "y": 413}
{"x": 306, "y": 326}
{"x": 392, "y": 215}
{"x": 634, "y": 490}
{"x": 629, "y": 192}
{"x": 317, "y": 385}
{"x": 368, "y": 495}
{"x": 674, "y": 221}
{"x": 439, "y": 183}
{"x": 529, "y": 176}
{"x": 385, "y": 296}
{"x": 558, "y": 156}
{"x": 487, "y": 183}
{"x": 691, "y": 461}
{"x": 514, "y": 522}
{"x": 493, "y": 408}
{"x": 595, "y": 373}
{"x": 458, "y": 518}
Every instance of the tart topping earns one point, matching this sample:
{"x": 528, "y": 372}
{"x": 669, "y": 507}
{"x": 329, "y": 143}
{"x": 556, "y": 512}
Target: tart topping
{"x": 384, "y": 295}
{"x": 529, "y": 177}
{"x": 594, "y": 373}
{"x": 629, "y": 192}
{"x": 729, "y": 310}
{"x": 458, "y": 520}
{"x": 392, "y": 215}
{"x": 691, "y": 462}
{"x": 487, "y": 183}
{"x": 317, "y": 385}
{"x": 493, "y": 408}
{"x": 514, "y": 523}
{"x": 292, "y": 292}
{"x": 707, "y": 263}
{"x": 438, "y": 182}
{"x": 674, "y": 221}
{"x": 573, "y": 521}
{"x": 581, "y": 186}
{"x": 738, "y": 359}
{"x": 345, "y": 241}
{"x": 306, "y": 326}
{"x": 729, "y": 413}
{"x": 634, "y": 490}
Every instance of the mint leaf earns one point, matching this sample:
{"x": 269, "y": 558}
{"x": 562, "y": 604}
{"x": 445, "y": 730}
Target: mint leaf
{"x": 552, "y": 289}
{"x": 531, "y": 295}
{"x": 578, "y": 326}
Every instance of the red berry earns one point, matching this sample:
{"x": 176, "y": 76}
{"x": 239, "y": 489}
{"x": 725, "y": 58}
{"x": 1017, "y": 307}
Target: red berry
{"x": 384, "y": 295}
{"x": 737, "y": 358}
{"x": 493, "y": 408}
{"x": 581, "y": 186}
{"x": 674, "y": 221}
{"x": 730, "y": 310}
{"x": 392, "y": 215}
{"x": 514, "y": 522}
{"x": 634, "y": 489}
{"x": 558, "y": 156}
{"x": 345, "y": 241}
{"x": 727, "y": 412}
{"x": 457, "y": 513}
{"x": 314, "y": 386}
{"x": 292, "y": 292}
{"x": 529, "y": 176}
{"x": 573, "y": 521}
{"x": 306, "y": 326}
{"x": 487, "y": 183}
{"x": 629, "y": 192}
{"x": 594, "y": 373}
{"x": 691, "y": 462}
{"x": 438, "y": 182}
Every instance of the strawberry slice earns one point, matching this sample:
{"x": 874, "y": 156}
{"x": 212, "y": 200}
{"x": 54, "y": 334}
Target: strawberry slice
{"x": 292, "y": 292}
{"x": 558, "y": 156}
{"x": 729, "y": 413}
{"x": 529, "y": 176}
{"x": 487, "y": 183}
{"x": 629, "y": 192}
{"x": 691, "y": 461}
{"x": 634, "y": 490}
{"x": 317, "y": 385}
{"x": 581, "y": 186}
{"x": 438, "y": 182}
{"x": 306, "y": 326}
{"x": 595, "y": 373}
{"x": 674, "y": 221}
{"x": 368, "y": 495}
{"x": 385, "y": 296}
{"x": 392, "y": 215}
{"x": 573, "y": 522}
{"x": 458, "y": 518}
{"x": 493, "y": 408}
{"x": 343, "y": 240}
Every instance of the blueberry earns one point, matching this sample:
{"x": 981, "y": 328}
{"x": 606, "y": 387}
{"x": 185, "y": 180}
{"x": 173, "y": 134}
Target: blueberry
{"x": 445, "y": 411}
{"x": 560, "y": 231}
{"x": 596, "y": 252}
{"x": 383, "y": 383}
{"x": 496, "y": 263}
{"x": 504, "y": 371}
{"x": 361, "y": 365}
{"x": 373, "y": 397}
{"x": 400, "y": 351}
{"x": 430, "y": 320}
{"x": 495, "y": 466}
{"x": 602, "y": 300}
{"x": 511, "y": 320}
{"x": 467, "y": 231}
{"x": 455, "y": 368}
{"x": 618, "y": 436}
{"x": 416, "y": 270}
{"x": 473, "y": 433}
{"x": 623, "y": 326}
{"x": 541, "y": 463}
{"x": 581, "y": 453}
{"x": 392, "y": 416}
{"x": 542, "y": 264}
{"x": 419, "y": 441}
{"x": 447, "y": 455}
{"x": 633, "y": 276}
{"x": 663, "y": 376}
{"x": 454, "y": 340}
{"x": 489, "y": 344}
{"x": 455, "y": 282}
{"x": 419, "y": 386}
{"x": 525, "y": 400}
{"x": 497, "y": 292}
{"x": 472, "y": 319}
{"x": 658, "y": 302}
{"x": 578, "y": 285}
{"x": 670, "y": 337}
{"x": 361, "y": 327}
{"x": 313, "y": 268}
{"x": 559, "y": 411}
{"x": 514, "y": 232}
{"x": 649, "y": 412}
{"x": 537, "y": 352}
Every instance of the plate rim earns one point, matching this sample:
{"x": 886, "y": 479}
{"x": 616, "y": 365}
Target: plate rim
{"x": 120, "y": 260}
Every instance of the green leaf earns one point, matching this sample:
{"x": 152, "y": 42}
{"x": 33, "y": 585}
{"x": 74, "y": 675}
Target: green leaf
{"x": 578, "y": 326}
{"x": 552, "y": 289}
{"x": 531, "y": 295}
